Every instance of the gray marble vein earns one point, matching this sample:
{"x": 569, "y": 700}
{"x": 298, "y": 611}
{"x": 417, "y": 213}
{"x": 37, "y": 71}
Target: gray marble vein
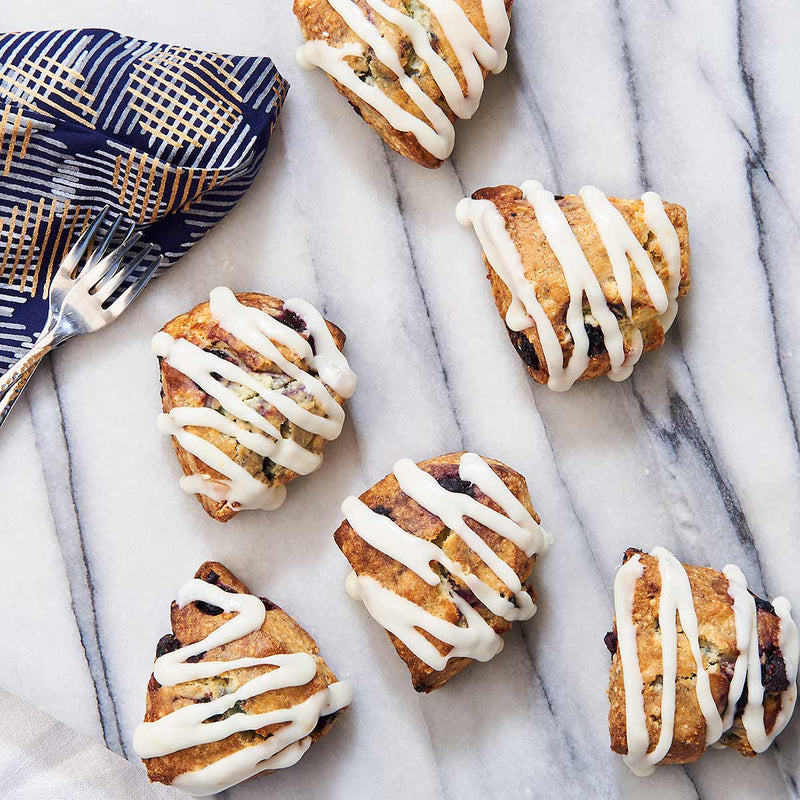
{"x": 52, "y": 446}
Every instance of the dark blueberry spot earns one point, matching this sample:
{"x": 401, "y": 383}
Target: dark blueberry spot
{"x": 468, "y": 595}
{"x": 597, "y": 343}
{"x": 727, "y": 668}
{"x": 223, "y": 354}
{"x": 207, "y": 608}
{"x": 763, "y": 605}
{"x": 206, "y": 698}
{"x": 212, "y": 577}
{"x": 742, "y": 702}
{"x": 611, "y": 642}
{"x": 195, "y": 659}
{"x": 523, "y": 346}
{"x": 558, "y": 197}
{"x": 268, "y": 604}
{"x": 773, "y": 671}
{"x": 325, "y": 720}
{"x": 166, "y": 644}
{"x": 383, "y": 511}
{"x": 454, "y": 484}
{"x": 267, "y": 467}
{"x": 291, "y": 320}
{"x": 237, "y": 708}
{"x": 618, "y": 310}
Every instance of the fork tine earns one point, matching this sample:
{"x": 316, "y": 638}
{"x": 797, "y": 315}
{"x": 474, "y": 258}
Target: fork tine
{"x": 79, "y": 248}
{"x": 131, "y": 293}
{"x": 103, "y": 245}
{"x": 114, "y": 280}
{"x": 105, "y": 269}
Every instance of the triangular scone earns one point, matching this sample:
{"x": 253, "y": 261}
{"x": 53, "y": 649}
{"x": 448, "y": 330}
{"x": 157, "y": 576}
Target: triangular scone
{"x": 728, "y": 658}
{"x": 208, "y": 727}
{"x": 584, "y": 283}
{"x": 246, "y": 417}
{"x": 408, "y": 67}
{"x": 441, "y": 553}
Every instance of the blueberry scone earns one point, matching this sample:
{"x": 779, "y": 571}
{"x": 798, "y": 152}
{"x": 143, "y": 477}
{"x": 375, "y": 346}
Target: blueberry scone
{"x": 408, "y": 67}
{"x": 585, "y": 283}
{"x": 238, "y": 689}
{"x": 697, "y": 660}
{"x": 441, "y": 553}
{"x": 252, "y": 389}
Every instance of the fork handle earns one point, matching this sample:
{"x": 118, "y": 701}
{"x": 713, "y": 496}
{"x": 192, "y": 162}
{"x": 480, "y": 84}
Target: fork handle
{"x": 12, "y": 395}
{"x": 27, "y": 363}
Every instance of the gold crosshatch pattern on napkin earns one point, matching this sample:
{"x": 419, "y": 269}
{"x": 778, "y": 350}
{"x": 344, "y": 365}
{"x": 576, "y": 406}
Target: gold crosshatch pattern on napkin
{"x": 19, "y": 136}
{"x": 160, "y": 96}
{"x": 160, "y": 89}
{"x": 49, "y": 86}
{"x": 167, "y": 136}
{"x": 66, "y": 224}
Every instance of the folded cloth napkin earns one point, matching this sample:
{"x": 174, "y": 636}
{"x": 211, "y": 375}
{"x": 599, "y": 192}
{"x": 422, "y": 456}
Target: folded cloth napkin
{"x": 168, "y": 136}
{"x": 41, "y": 759}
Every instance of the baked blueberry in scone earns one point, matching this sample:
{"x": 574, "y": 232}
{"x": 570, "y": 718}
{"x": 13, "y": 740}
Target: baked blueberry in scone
{"x": 408, "y": 67}
{"x": 238, "y": 689}
{"x": 697, "y": 660}
{"x": 585, "y": 283}
{"x": 252, "y": 388}
{"x": 441, "y": 553}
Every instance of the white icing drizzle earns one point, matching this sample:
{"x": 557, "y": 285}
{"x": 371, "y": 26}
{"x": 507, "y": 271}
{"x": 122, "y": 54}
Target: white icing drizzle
{"x": 436, "y": 133}
{"x": 656, "y": 218}
{"x": 475, "y": 639}
{"x": 753, "y": 716}
{"x": 676, "y": 599}
{"x": 744, "y": 617}
{"x": 525, "y": 310}
{"x": 259, "y": 331}
{"x": 188, "y": 726}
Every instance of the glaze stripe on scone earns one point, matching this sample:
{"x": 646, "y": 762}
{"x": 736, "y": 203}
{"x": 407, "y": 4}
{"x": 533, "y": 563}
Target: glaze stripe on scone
{"x": 697, "y": 660}
{"x": 408, "y": 67}
{"x": 441, "y": 552}
{"x": 252, "y": 389}
{"x": 585, "y": 283}
{"x": 238, "y": 689}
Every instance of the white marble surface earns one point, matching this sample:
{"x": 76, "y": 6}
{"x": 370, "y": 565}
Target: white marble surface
{"x": 699, "y": 451}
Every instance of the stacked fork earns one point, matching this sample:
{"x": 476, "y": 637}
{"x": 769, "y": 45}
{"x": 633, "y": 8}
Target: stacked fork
{"x": 82, "y": 296}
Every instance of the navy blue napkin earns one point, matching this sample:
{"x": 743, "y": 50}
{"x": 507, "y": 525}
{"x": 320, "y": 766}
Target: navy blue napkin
{"x": 169, "y": 136}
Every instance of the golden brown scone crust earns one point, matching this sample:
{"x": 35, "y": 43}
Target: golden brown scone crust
{"x": 545, "y": 273}
{"x": 317, "y": 17}
{"x": 199, "y": 327}
{"x": 387, "y": 498}
{"x": 714, "y": 608}
{"x": 278, "y": 635}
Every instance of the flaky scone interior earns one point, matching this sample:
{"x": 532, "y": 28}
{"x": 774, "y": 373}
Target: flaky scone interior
{"x": 252, "y": 389}
{"x": 697, "y": 660}
{"x": 238, "y": 689}
{"x": 585, "y": 283}
{"x": 409, "y": 68}
{"x": 441, "y": 553}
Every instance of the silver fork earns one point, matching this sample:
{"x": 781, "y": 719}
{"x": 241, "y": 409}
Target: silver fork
{"x": 79, "y": 298}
